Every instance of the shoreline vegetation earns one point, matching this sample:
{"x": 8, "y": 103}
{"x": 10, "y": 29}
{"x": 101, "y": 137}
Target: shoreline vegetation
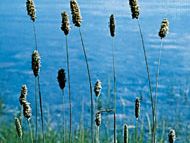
{"x": 28, "y": 129}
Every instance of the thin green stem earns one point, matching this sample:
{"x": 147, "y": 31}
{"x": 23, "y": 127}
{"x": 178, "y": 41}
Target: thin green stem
{"x": 149, "y": 81}
{"x": 35, "y": 39}
{"x": 69, "y": 84}
{"x": 21, "y": 139}
{"x": 30, "y": 128}
{"x": 97, "y": 134}
{"x": 114, "y": 79}
{"x": 36, "y": 108}
{"x": 63, "y": 110}
{"x": 157, "y": 82}
{"x": 41, "y": 109}
{"x": 90, "y": 86}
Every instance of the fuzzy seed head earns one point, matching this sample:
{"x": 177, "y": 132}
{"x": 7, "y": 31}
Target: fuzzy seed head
{"x": 35, "y": 63}
{"x": 65, "y": 23}
{"x": 126, "y": 134}
{"x": 134, "y": 8}
{"x": 97, "y": 88}
{"x": 31, "y": 9}
{"x": 23, "y": 94}
{"x": 61, "y": 78}
{"x": 27, "y": 111}
{"x": 164, "y": 28}
{"x": 112, "y": 25}
{"x": 75, "y": 11}
{"x": 171, "y": 136}
{"x": 98, "y": 119}
{"x": 137, "y": 107}
{"x": 18, "y": 127}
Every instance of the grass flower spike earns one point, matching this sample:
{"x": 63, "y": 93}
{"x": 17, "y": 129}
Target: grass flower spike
{"x": 75, "y": 11}
{"x": 134, "y": 8}
{"x": 164, "y": 28}
{"x": 27, "y": 111}
{"x": 23, "y": 95}
{"x": 18, "y": 127}
{"x": 98, "y": 119}
{"x": 112, "y": 25}
{"x": 171, "y": 136}
{"x": 126, "y": 135}
{"x": 65, "y": 23}
{"x": 31, "y": 9}
{"x": 137, "y": 107}
{"x": 97, "y": 88}
{"x": 35, "y": 63}
{"x": 61, "y": 77}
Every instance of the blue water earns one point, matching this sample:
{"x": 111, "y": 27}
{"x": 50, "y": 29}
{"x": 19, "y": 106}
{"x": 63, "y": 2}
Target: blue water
{"x": 17, "y": 44}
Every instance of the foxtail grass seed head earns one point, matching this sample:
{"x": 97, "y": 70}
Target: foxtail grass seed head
{"x": 98, "y": 119}
{"x": 35, "y": 63}
{"x": 23, "y": 94}
{"x": 137, "y": 107}
{"x": 27, "y": 111}
{"x": 171, "y": 136}
{"x": 134, "y": 8}
{"x": 61, "y": 78}
{"x": 112, "y": 25}
{"x": 164, "y": 28}
{"x": 126, "y": 133}
{"x": 97, "y": 88}
{"x": 75, "y": 11}
{"x": 31, "y": 9}
{"x": 65, "y": 23}
{"x": 18, "y": 127}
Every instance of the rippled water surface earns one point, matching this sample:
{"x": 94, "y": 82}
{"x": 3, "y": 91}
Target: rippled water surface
{"x": 17, "y": 44}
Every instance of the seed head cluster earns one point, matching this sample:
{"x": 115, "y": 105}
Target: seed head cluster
{"x": 137, "y": 107}
{"x": 18, "y": 127}
{"x": 134, "y": 8}
{"x": 35, "y": 63}
{"x": 75, "y": 11}
{"x": 171, "y": 136}
{"x": 31, "y": 9}
{"x": 61, "y": 78}
{"x": 112, "y": 25}
{"x": 97, "y": 88}
{"x": 164, "y": 28}
{"x": 65, "y": 23}
{"x": 98, "y": 119}
{"x": 23, "y": 94}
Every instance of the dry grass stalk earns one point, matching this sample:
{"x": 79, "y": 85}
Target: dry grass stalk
{"x": 126, "y": 134}
{"x": 75, "y": 11}
{"x": 164, "y": 28}
{"x": 61, "y": 78}
{"x": 35, "y": 62}
{"x": 112, "y": 25}
{"x": 171, "y": 136}
{"x": 65, "y": 23}
{"x": 97, "y": 88}
{"x": 137, "y": 108}
{"x": 31, "y": 9}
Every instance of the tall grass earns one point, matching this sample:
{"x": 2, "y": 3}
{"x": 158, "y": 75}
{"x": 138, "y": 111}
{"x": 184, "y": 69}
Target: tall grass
{"x": 112, "y": 33}
{"x": 65, "y": 28}
{"x": 76, "y": 18}
{"x": 31, "y": 11}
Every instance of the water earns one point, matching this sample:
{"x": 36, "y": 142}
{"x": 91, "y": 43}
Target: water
{"x": 17, "y": 44}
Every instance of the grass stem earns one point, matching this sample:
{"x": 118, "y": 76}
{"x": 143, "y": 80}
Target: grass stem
{"x": 114, "y": 79}
{"x": 149, "y": 81}
{"x": 90, "y": 86}
{"x": 36, "y": 108}
{"x": 69, "y": 85}
{"x": 30, "y": 128}
{"x": 41, "y": 108}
